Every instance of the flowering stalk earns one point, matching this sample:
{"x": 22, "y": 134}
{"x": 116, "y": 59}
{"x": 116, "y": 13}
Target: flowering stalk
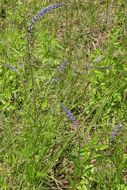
{"x": 115, "y": 130}
{"x": 69, "y": 114}
{"x": 41, "y": 13}
{"x": 61, "y": 67}
{"x": 73, "y": 119}
{"x": 10, "y": 67}
{"x": 30, "y": 48}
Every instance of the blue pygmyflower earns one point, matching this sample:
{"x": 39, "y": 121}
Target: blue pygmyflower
{"x": 41, "y": 13}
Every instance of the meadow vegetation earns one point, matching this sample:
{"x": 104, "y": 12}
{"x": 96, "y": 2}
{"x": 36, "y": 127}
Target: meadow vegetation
{"x": 63, "y": 122}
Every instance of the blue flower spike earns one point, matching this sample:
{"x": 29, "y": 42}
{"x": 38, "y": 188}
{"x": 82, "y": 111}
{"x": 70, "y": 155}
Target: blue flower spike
{"x": 41, "y": 13}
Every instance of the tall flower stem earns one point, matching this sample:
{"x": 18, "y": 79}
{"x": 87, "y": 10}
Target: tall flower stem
{"x": 29, "y": 56}
{"x": 73, "y": 119}
{"x": 29, "y": 50}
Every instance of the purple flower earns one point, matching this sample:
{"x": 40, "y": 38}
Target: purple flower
{"x": 69, "y": 114}
{"x": 56, "y": 79}
{"x": 10, "y": 67}
{"x": 41, "y": 13}
{"x": 115, "y": 130}
{"x": 61, "y": 67}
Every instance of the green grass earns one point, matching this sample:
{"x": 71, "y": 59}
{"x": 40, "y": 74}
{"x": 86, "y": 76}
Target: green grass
{"x": 40, "y": 147}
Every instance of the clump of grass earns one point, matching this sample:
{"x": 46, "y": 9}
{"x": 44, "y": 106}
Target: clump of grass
{"x": 42, "y": 149}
